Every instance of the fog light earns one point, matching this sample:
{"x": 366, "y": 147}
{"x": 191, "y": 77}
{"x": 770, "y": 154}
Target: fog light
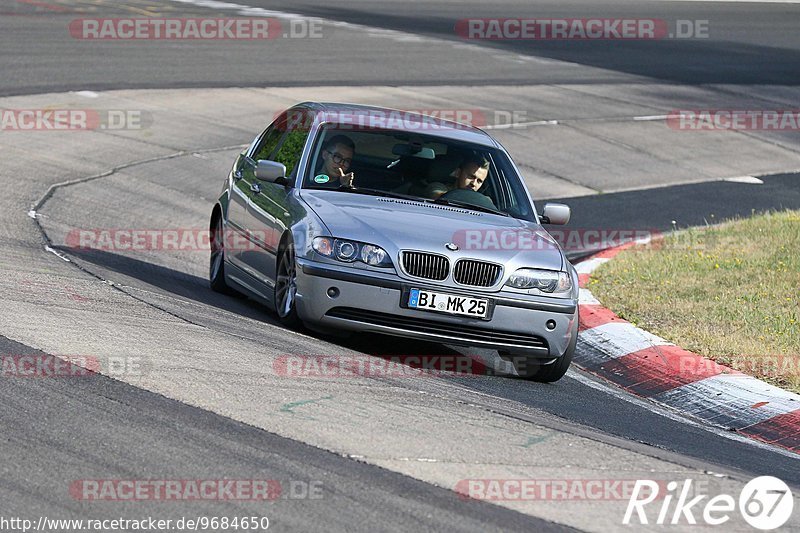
{"x": 333, "y": 292}
{"x": 550, "y": 325}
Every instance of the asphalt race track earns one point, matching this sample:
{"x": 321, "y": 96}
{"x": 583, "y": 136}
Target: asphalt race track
{"x": 189, "y": 386}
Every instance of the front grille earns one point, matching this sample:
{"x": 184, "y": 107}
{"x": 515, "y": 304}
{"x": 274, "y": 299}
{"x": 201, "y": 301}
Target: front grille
{"x": 426, "y": 266}
{"x": 464, "y": 332}
{"x": 476, "y": 273}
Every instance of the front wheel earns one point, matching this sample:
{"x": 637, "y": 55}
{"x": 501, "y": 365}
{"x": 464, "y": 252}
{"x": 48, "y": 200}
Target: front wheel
{"x": 286, "y": 286}
{"x": 549, "y": 373}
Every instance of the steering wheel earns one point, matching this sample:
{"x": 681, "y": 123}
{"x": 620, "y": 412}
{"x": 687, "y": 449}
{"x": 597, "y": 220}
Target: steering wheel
{"x": 469, "y": 196}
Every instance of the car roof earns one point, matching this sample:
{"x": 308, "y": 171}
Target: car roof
{"x": 399, "y": 120}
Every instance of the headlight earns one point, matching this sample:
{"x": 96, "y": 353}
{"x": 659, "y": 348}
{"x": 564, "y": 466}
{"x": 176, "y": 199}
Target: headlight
{"x": 350, "y": 251}
{"x": 345, "y": 250}
{"x": 373, "y": 255}
{"x": 549, "y": 281}
{"x": 323, "y": 246}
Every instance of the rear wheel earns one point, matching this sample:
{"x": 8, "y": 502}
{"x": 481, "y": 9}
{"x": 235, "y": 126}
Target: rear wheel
{"x": 286, "y": 286}
{"x": 216, "y": 273}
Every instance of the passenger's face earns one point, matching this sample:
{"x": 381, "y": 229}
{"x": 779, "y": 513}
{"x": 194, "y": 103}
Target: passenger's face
{"x": 471, "y": 176}
{"x": 340, "y": 153}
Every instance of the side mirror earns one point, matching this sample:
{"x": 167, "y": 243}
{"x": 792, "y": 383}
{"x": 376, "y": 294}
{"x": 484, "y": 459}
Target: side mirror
{"x": 555, "y": 214}
{"x": 270, "y": 171}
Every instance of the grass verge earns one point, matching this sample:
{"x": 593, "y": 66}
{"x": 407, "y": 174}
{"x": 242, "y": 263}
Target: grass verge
{"x": 729, "y": 292}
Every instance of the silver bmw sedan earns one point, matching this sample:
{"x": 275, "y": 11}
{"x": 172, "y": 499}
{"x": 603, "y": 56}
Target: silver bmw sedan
{"x": 348, "y": 218}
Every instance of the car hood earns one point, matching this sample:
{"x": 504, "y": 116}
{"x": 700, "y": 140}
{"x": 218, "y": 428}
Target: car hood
{"x": 397, "y": 224}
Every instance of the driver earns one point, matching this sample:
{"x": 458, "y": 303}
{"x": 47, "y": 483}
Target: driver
{"x": 337, "y": 156}
{"x": 470, "y": 174}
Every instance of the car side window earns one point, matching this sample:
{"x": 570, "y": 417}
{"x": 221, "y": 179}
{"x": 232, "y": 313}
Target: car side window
{"x": 291, "y": 144}
{"x": 270, "y": 139}
{"x": 290, "y": 150}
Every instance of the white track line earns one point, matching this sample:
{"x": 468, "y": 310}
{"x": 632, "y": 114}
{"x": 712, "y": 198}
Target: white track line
{"x": 589, "y": 266}
{"x": 618, "y": 339}
{"x": 731, "y": 397}
{"x": 745, "y": 179}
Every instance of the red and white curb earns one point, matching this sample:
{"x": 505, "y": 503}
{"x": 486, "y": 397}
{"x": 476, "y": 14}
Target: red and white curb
{"x": 653, "y": 368}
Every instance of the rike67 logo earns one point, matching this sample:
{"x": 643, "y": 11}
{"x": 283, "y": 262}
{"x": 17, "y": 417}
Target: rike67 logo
{"x": 765, "y": 503}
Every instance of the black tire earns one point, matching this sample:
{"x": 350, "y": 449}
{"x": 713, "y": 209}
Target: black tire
{"x": 549, "y": 373}
{"x": 286, "y": 286}
{"x": 216, "y": 270}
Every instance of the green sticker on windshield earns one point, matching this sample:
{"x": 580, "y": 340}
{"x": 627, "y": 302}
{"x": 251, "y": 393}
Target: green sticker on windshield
{"x": 322, "y": 178}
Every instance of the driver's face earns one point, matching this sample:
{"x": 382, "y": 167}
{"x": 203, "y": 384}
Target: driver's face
{"x": 340, "y": 153}
{"x": 471, "y": 176}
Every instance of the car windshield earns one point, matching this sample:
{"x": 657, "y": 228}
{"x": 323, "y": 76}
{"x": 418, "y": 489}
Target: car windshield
{"x": 417, "y": 166}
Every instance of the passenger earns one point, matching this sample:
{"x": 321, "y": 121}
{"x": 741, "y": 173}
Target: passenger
{"x": 337, "y": 156}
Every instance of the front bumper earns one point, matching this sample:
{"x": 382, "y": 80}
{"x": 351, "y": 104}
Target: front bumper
{"x": 371, "y": 302}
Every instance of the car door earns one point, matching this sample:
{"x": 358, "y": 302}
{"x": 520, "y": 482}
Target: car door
{"x": 269, "y": 212}
{"x": 237, "y": 238}
{"x": 244, "y": 189}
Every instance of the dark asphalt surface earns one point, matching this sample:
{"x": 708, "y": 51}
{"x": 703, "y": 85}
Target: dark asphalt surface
{"x": 753, "y": 43}
{"x": 695, "y": 204}
{"x": 681, "y": 206}
{"x": 746, "y": 44}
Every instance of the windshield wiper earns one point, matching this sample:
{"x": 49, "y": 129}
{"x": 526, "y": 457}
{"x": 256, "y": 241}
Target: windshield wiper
{"x": 467, "y": 205}
{"x": 378, "y": 192}
{"x": 441, "y": 201}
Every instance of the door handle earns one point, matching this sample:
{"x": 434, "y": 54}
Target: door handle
{"x": 255, "y": 187}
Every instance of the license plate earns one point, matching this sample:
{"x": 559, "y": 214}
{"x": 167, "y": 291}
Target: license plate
{"x": 448, "y": 303}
